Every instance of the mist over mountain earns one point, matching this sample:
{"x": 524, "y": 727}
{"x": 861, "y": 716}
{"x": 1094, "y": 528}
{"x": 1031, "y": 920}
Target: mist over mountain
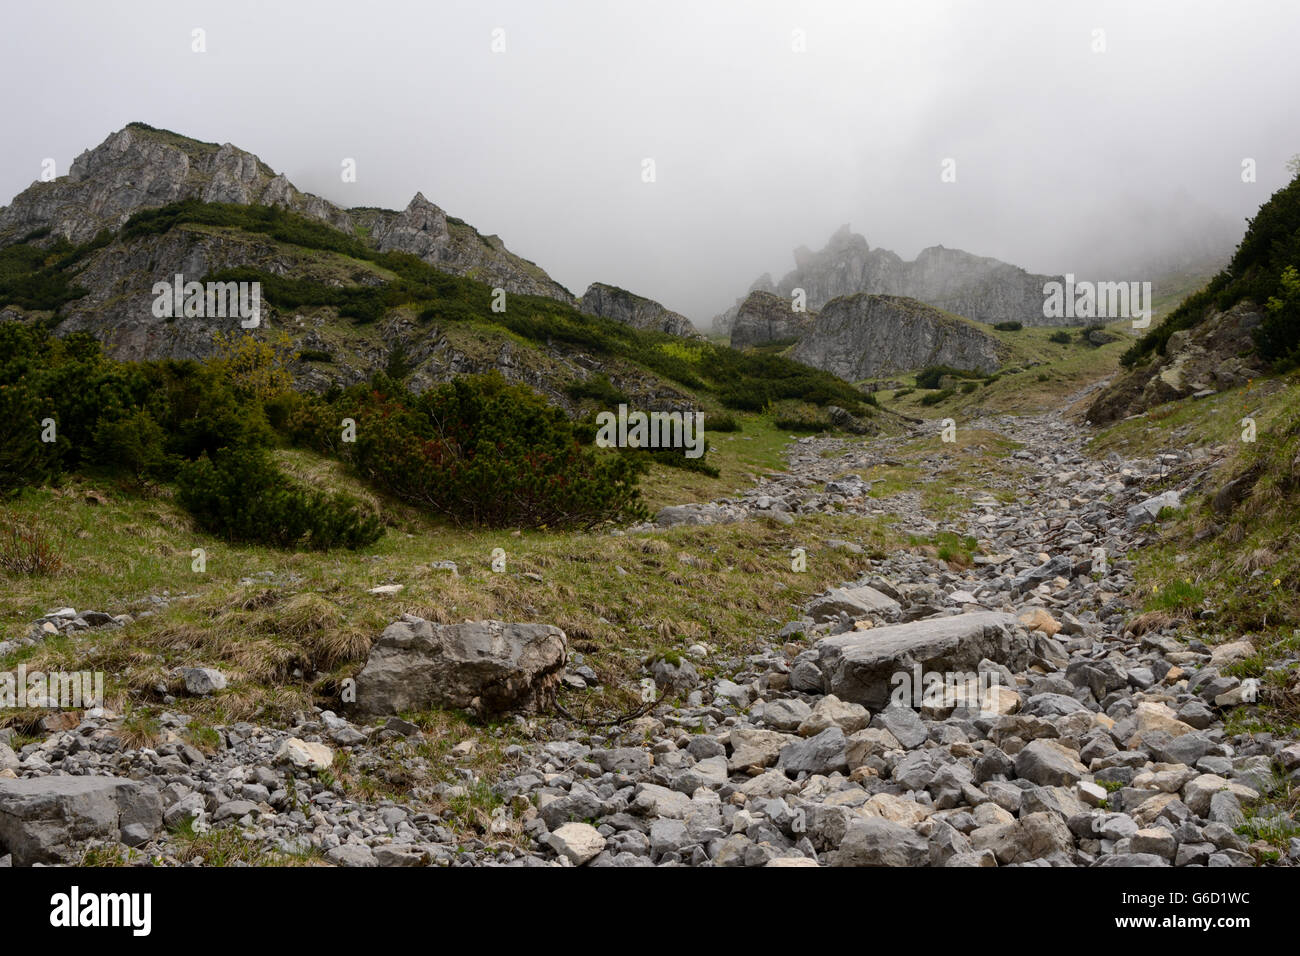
{"x": 1066, "y": 159}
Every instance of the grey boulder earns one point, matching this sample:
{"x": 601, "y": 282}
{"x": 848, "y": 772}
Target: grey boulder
{"x": 491, "y": 666}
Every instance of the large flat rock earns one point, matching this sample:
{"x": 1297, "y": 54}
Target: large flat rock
{"x": 860, "y": 665}
{"x": 857, "y": 603}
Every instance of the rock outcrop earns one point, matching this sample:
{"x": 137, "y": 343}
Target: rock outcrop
{"x": 139, "y": 167}
{"x": 766, "y": 317}
{"x": 426, "y": 231}
{"x": 725, "y": 321}
{"x": 977, "y": 287}
{"x": 611, "y": 302}
{"x": 861, "y": 336}
{"x": 1214, "y": 356}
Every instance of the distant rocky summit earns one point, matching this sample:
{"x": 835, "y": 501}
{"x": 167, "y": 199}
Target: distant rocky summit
{"x": 611, "y": 302}
{"x": 861, "y": 336}
{"x": 986, "y": 290}
{"x": 766, "y": 317}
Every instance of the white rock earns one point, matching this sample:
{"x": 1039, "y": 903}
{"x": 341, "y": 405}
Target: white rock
{"x": 577, "y": 842}
{"x": 303, "y": 755}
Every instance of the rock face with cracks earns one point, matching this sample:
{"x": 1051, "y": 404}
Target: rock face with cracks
{"x": 42, "y": 819}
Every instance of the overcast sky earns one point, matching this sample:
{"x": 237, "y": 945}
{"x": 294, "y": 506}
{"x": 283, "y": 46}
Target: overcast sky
{"x": 1066, "y": 159}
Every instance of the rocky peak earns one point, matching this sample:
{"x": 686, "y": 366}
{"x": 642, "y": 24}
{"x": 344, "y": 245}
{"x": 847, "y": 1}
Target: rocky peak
{"x": 725, "y": 321}
{"x": 420, "y": 229}
{"x": 140, "y": 167}
{"x": 611, "y": 302}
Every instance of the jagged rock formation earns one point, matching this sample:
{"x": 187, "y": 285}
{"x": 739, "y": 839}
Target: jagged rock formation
{"x": 424, "y": 230}
{"x": 611, "y": 302}
{"x": 861, "y": 336}
{"x": 1216, "y": 355}
{"x": 979, "y": 288}
{"x": 140, "y": 167}
{"x": 767, "y": 317}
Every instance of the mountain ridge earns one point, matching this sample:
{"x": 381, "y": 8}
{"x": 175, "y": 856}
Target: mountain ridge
{"x": 142, "y": 167}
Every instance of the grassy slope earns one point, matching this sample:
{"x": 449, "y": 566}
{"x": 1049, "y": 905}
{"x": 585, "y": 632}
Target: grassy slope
{"x": 1046, "y": 372}
{"x": 1248, "y": 573}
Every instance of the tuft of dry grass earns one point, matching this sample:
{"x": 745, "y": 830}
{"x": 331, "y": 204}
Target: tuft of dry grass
{"x": 1151, "y": 621}
{"x": 26, "y": 548}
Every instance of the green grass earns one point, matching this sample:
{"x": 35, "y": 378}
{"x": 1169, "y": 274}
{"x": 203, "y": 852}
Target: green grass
{"x": 715, "y": 584}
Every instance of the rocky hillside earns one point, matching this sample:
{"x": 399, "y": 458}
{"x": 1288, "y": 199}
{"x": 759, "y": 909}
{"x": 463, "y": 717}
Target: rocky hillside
{"x": 1246, "y": 319}
{"x": 765, "y": 317}
{"x": 611, "y": 302}
{"x": 979, "y": 288}
{"x": 1063, "y": 730}
{"x": 1214, "y": 356}
{"x": 860, "y": 336}
{"x": 358, "y": 291}
{"x": 140, "y": 167}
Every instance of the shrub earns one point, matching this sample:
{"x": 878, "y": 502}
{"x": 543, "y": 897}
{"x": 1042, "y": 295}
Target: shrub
{"x": 135, "y": 443}
{"x": 240, "y": 495}
{"x": 1060, "y": 338}
{"x": 801, "y": 417}
{"x": 934, "y": 398}
{"x": 483, "y": 451}
{"x": 722, "y": 423}
{"x": 1008, "y": 326}
{"x": 315, "y": 355}
{"x": 930, "y": 376}
{"x": 256, "y": 366}
{"x": 598, "y": 387}
{"x": 675, "y": 458}
{"x": 1278, "y": 335}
